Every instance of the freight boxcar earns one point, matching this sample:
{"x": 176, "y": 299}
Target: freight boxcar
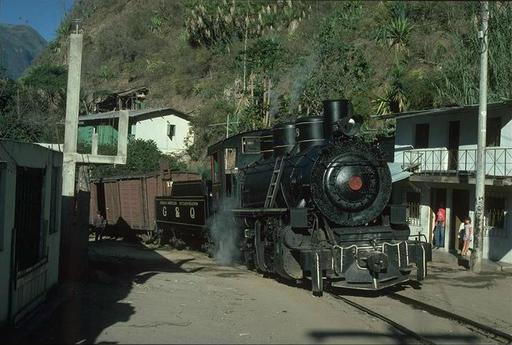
{"x": 128, "y": 202}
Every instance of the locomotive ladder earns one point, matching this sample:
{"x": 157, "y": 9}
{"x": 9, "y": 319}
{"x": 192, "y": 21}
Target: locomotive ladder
{"x": 274, "y": 182}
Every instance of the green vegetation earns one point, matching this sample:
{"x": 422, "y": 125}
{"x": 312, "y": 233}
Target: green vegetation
{"x": 256, "y": 63}
{"x": 32, "y": 108}
{"x": 143, "y": 157}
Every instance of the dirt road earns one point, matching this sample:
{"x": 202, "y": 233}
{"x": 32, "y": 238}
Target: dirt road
{"x": 137, "y": 295}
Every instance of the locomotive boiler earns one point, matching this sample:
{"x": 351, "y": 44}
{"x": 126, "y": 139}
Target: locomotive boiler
{"x": 316, "y": 207}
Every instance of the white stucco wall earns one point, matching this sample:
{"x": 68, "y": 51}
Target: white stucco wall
{"x": 156, "y": 129}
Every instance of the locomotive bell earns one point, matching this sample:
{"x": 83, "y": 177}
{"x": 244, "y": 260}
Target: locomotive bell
{"x": 346, "y": 126}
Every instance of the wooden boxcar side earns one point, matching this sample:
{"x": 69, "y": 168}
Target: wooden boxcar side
{"x": 129, "y": 201}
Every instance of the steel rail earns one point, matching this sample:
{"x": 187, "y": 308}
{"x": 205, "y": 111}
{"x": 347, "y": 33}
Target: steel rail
{"x": 473, "y": 325}
{"x": 406, "y": 331}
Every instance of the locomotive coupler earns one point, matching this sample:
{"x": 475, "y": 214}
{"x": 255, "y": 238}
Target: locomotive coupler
{"x": 377, "y": 262}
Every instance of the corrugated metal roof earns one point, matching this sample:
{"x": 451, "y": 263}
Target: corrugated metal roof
{"x": 445, "y": 111}
{"x": 134, "y": 115}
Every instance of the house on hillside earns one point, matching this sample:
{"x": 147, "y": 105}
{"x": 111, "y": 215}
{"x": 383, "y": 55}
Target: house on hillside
{"x": 30, "y": 230}
{"x": 439, "y": 148}
{"x": 132, "y": 99}
{"x": 168, "y": 127}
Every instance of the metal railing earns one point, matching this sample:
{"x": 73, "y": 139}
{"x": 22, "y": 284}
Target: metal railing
{"x": 498, "y": 161}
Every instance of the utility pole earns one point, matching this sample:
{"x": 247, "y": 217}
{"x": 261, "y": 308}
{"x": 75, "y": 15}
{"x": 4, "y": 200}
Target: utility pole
{"x": 73, "y": 223}
{"x": 477, "y": 253}
{"x": 71, "y": 123}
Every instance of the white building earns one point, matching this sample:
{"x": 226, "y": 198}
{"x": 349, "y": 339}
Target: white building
{"x": 30, "y": 211}
{"x": 439, "y": 148}
{"x": 167, "y": 127}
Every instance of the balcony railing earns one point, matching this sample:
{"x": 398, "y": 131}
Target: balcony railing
{"x": 498, "y": 161}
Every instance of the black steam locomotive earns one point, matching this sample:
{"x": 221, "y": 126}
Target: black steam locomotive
{"x": 311, "y": 203}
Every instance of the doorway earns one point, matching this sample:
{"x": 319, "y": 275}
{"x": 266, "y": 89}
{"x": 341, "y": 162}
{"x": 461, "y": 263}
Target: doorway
{"x": 453, "y": 145}
{"x": 460, "y": 210}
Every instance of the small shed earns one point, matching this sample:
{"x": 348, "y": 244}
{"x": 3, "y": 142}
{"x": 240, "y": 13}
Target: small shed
{"x": 30, "y": 207}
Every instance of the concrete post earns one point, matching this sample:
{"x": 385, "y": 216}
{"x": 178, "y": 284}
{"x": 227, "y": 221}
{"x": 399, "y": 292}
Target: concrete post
{"x": 73, "y": 260}
{"x": 477, "y": 253}
{"x": 71, "y": 123}
{"x": 122, "y": 133}
{"x": 448, "y": 220}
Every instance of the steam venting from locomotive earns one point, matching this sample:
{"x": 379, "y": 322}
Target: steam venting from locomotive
{"x": 225, "y": 234}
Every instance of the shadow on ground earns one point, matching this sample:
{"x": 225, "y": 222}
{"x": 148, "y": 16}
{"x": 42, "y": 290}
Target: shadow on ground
{"x": 97, "y": 302}
{"x": 349, "y": 337}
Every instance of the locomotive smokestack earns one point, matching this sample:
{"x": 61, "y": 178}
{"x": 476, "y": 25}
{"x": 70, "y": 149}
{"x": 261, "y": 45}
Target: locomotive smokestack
{"x": 335, "y": 110}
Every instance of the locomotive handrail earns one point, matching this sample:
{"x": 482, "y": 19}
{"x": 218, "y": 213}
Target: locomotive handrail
{"x": 258, "y": 211}
{"x": 418, "y": 237}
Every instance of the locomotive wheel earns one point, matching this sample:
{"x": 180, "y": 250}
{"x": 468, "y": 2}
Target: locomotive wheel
{"x": 147, "y": 237}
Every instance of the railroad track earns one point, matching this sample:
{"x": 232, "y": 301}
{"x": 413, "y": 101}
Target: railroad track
{"x": 485, "y": 330}
{"x": 412, "y": 335}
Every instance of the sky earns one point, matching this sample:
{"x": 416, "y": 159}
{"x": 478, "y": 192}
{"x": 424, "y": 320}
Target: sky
{"x": 43, "y": 15}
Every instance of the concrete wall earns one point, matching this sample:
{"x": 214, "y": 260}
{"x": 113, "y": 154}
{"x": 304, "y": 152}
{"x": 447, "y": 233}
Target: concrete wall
{"x": 156, "y": 129}
{"x": 33, "y": 156}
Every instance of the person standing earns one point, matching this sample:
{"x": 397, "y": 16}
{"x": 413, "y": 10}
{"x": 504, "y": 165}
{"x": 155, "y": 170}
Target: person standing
{"x": 468, "y": 236}
{"x": 99, "y": 226}
{"x": 440, "y": 226}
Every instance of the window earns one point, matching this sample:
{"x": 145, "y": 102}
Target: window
{"x": 28, "y": 221}
{"x": 251, "y": 145}
{"x": 229, "y": 160}
{"x": 493, "y": 132}
{"x": 421, "y": 136}
{"x": 495, "y": 212}
{"x": 171, "y": 130}
{"x": 413, "y": 208}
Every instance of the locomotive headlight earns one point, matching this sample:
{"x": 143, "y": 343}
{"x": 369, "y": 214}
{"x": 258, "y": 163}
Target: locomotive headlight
{"x": 355, "y": 183}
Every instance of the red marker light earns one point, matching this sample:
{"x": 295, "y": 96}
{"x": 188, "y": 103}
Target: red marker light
{"x": 355, "y": 183}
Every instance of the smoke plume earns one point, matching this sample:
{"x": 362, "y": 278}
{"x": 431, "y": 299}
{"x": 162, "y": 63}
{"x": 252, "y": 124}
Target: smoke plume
{"x": 225, "y": 234}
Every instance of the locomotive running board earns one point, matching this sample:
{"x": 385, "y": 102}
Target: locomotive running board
{"x": 258, "y": 211}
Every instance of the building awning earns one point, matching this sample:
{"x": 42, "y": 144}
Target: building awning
{"x": 470, "y": 109}
{"x": 397, "y": 173}
{"x": 134, "y": 115}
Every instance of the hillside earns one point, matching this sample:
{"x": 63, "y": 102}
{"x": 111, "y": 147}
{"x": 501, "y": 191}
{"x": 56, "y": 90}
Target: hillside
{"x": 262, "y": 62}
{"x": 19, "y": 46}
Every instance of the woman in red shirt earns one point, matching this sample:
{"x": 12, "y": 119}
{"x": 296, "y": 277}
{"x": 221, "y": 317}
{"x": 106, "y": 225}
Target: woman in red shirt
{"x": 440, "y": 225}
